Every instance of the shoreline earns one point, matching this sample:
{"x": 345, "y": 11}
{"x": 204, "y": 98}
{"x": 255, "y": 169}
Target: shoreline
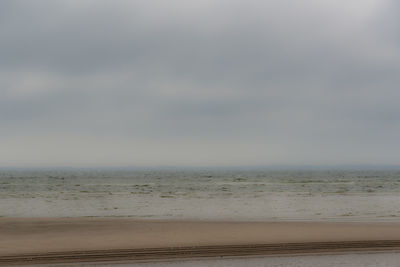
{"x": 73, "y": 240}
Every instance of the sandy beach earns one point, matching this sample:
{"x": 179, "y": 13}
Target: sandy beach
{"x": 51, "y": 240}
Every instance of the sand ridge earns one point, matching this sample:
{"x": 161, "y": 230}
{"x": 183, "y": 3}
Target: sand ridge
{"x": 75, "y": 239}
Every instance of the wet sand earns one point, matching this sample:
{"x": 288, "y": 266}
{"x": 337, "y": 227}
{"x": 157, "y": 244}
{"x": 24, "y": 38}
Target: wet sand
{"x": 51, "y": 240}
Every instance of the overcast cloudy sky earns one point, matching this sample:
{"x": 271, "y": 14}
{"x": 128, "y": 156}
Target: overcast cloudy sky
{"x": 199, "y": 82}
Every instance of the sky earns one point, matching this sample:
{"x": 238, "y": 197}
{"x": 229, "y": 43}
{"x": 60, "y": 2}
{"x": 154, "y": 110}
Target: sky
{"x": 199, "y": 82}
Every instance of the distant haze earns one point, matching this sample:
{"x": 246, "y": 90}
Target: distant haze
{"x": 167, "y": 83}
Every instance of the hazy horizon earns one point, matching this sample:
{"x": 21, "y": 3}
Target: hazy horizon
{"x": 199, "y": 83}
{"x": 364, "y": 167}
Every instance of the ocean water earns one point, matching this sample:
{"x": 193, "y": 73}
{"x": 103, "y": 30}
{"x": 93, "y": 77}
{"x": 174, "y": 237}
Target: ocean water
{"x": 206, "y": 195}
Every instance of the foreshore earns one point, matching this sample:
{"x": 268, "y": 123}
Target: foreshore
{"x": 57, "y": 240}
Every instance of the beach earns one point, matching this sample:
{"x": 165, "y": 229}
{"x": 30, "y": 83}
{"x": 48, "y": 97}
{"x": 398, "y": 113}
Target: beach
{"x": 92, "y": 217}
{"x": 58, "y": 240}
{"x": 199, "y": 133}
{"x": 370, "y": 259}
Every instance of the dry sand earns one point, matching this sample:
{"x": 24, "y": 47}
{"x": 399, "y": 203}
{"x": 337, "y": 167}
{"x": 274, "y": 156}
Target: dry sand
{"x": 49, "y": 240}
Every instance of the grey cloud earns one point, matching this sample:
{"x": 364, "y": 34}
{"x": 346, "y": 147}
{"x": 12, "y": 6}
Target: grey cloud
{"x": 272, "y": 78}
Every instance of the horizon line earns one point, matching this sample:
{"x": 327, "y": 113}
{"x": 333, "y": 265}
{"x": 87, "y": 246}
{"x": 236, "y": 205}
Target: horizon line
{"x": 213, "y": 167}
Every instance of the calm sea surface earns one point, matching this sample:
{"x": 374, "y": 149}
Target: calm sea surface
{"x": 208, "y": 195}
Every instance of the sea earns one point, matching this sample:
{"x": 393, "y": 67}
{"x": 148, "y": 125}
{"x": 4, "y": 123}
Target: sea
{"x": 201, "y": 194}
